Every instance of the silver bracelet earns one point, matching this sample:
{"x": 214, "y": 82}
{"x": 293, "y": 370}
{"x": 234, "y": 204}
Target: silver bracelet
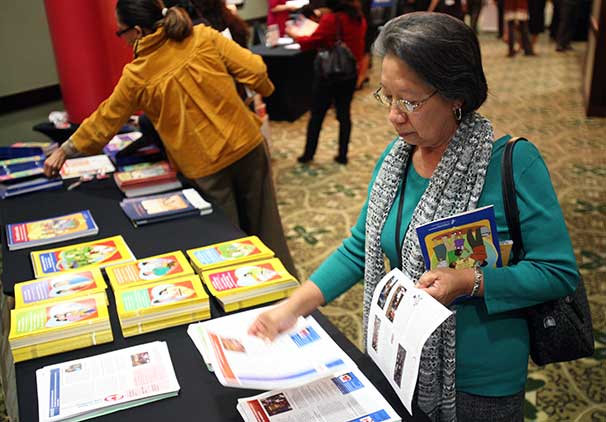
{"x": 69, "y": 149}
{"x": 478, "y": 278}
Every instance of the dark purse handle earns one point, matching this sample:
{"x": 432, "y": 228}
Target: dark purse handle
{"x": 512, "y": 214}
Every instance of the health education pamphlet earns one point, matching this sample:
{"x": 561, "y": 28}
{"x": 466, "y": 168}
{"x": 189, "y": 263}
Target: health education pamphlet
{"x": 401, "y": 320}
{"x": 86, "y": 388}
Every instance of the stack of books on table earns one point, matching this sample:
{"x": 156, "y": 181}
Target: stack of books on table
{"x": 51, "y": 327}
{"x": 86, "y": 166}
{"x": 51, "y": 230}
{"x": 124, "y": 149}
{"x": 90, "y": 387}
{"x": 164, "y": 206}
{"x": 147, "y": 180}
{"x": 81, "y": 256}
{"x": 157, "y": 292}
{"x": 23, "y": 175}
{"x": 237, "y": 274}
{"x": 46, "y": 147}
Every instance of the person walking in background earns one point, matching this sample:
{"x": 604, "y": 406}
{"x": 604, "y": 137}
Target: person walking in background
{"x": 182, "y": 77}
{"x": 566, "y": 26}
{"x": 516, "y": 15}
{"x": 536, "y": 20}
{"x": 450, "y": 7}
{"x": 445, "y": 160}
{"x": 474, "y": 8}
{"x": 345, "y": 17}
{"x": 216, "y": 15}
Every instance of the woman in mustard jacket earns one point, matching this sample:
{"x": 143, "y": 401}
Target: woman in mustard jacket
{"x": 182, "y": 77}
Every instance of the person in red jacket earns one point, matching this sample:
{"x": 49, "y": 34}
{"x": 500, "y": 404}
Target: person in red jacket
{"x": 347, "y": 15}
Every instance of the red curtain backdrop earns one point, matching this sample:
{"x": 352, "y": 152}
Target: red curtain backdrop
{"x": 88, "y": 54}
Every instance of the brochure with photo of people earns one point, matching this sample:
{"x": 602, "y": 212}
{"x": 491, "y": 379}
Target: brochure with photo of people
{"x": 401, "y": 319}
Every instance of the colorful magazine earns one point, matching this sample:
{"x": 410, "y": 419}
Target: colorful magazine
{"x": 82, "y": 256}
{"x": 232, "y": 252}
{"x": 20, "y": 168}
{"x": 59, "y": 287}
{"x": 148, "y": 270}
{"x": 461, "y": 241}
{"x": 161, "y": 171}
{"x": 50, "y": 230}
{"x": 165, "y": 206}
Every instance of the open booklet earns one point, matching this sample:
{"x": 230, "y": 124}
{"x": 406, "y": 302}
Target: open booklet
{"x": 400, "y": 321}
{"x": 86, "y": 388}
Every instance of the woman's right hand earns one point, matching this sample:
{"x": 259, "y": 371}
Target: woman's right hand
{"x": 271, "y": 323}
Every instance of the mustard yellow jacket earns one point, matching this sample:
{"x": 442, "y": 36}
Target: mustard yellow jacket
{"x": 187, "y": 90}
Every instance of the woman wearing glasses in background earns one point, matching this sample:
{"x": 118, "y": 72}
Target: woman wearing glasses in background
{"x": 446, "y": 160}
{"x": 183, "y": 79}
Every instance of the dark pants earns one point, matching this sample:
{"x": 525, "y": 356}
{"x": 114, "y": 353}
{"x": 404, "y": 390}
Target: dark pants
{"x": 472, "y": 408}
{"x": 566, "y": 27}
{"x": 525, "y": 37}
{"x": 245, "y": 191}
{"x": 474, "y": 7}
{"x": 324, "y": 94}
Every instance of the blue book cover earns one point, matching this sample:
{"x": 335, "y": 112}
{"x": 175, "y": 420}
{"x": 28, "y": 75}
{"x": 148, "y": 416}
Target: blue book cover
{"x": 20, "y": 151}
{"x": 33, "y": 185}
{"x": 461, "y": 241}
{"x": 22, "y": 167}
{"x": 147, "y": 209}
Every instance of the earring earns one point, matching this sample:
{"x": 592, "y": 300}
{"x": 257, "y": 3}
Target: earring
{"x": 458, "y": 113}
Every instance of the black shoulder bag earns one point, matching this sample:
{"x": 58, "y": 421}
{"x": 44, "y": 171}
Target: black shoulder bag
{"x": 560, "y": 330}
{"x": 337, "y": 63}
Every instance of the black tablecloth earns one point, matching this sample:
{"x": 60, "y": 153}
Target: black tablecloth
{"x": 291, "y": 72}
{"x": 201, "y": 397}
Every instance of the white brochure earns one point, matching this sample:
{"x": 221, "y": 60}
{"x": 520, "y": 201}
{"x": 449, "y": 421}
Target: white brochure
{"x": 346, "y": 396}
{"x": 401, "y": 320}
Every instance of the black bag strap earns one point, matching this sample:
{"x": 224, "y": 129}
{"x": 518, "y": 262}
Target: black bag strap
{"x": 338, "y": 39}
{"x": 512, "y": 214}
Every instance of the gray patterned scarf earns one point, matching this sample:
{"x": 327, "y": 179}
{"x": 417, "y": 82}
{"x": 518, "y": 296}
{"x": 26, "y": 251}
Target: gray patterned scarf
{"x": 455, "y": 186}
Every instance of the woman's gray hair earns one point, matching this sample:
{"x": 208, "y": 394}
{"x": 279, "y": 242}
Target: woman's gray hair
{"x": 442, "y": 50}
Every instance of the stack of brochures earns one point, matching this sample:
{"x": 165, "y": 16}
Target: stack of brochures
{"x": 94, "y": 254}
{"x": 51, "y": 230}
{"x": 59, "y": 287}
{"x": 240, "y": 273}
{"x": 46, "y": 147}
{"x": 249, "y": 284}
{"x": 51, "y": 327}
{"x": 157, "y": 292}
{"x": 23, "y": 175}
{"x": 155, "y": 178}
{"x": 86, "y": 166}
{"x": 307, "y": 371}
{"x": 125, "y": 149}
{"x": 164, "y": 206}
{"x": 86, "y": 388}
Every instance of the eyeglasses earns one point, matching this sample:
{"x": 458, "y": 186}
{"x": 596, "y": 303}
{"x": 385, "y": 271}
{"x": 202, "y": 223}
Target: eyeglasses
{"x": 402, "y": 105}
{"x": 121, "y": 32}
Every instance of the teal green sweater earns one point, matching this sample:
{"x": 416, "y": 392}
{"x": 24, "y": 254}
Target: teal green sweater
{"x": 492, "y": 335}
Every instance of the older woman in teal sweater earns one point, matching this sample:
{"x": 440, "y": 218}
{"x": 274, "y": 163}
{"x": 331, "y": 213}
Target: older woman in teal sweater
{"x": 447, "y": 157}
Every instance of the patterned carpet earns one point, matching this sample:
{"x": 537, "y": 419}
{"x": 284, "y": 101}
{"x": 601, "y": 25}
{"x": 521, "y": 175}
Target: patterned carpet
{"x": 538, "y": 97}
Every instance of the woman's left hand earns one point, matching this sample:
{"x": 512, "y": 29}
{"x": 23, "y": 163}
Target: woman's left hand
{"x": 445, "y": 284}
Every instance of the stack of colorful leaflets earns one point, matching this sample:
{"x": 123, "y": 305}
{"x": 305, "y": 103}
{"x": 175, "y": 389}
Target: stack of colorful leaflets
{"x": 87, "y": 388}
{"x": 56, "y": 327}
{"x": 157, "y": 292}
{"x": 51, "y": 230}
{"x": 47, "y": 147}
{"x": 59, "y": 287}
{"x": 164, "y": 206}
{"x": 232, "y": 252}
{"x": 345, "y": 396}
{"x": 21, "y": 168}
{"x": 162, "y": 304}
{"x": 94, "y": 254}
{"x": 86, "y": 166}
{"x": 249, "y": 284}
{"x": 156, "y": 178}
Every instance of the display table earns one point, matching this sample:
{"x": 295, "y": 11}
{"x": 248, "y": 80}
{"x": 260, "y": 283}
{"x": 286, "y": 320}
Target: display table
{"x": 201, "y": 396}
{"x": 291, "y": 72}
